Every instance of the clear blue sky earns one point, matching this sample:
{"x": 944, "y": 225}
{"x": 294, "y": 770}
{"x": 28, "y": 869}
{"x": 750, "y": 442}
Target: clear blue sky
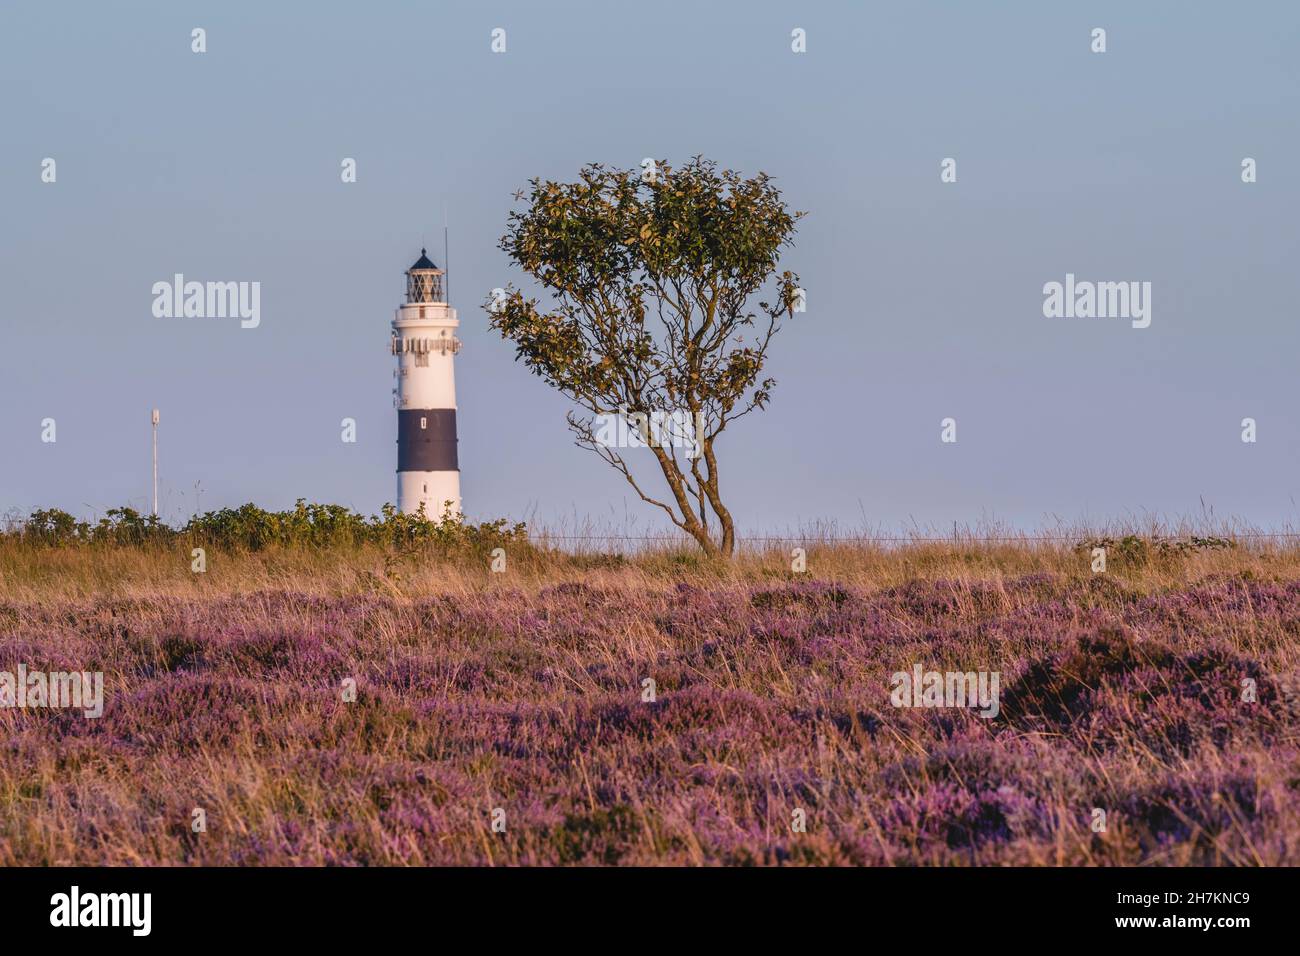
{"x": 924, "y": 299}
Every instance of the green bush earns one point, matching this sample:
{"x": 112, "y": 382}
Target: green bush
{"x": 121, "y": 526}
{"x": 1135, "y": 551}
{"x": 52, "y": 527}
{"x": 250, "y": 528}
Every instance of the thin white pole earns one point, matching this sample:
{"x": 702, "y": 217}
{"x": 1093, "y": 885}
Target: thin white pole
{"x": 155, "y": 462}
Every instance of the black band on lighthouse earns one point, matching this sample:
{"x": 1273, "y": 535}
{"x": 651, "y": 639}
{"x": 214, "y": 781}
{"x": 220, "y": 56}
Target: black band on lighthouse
{"x": 426, "y": 439}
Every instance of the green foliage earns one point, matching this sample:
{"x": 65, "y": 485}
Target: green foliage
{"x": 697, "y": 240}
{"x": 250, "y": 528}
{"x": 120, "y": 526}
{"x": 51, "y": 526}
{"x": 126, "y": 526}
{"x": 1136, "y": 551}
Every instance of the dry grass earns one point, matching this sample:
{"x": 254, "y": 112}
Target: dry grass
{"x": 33, "y": 574}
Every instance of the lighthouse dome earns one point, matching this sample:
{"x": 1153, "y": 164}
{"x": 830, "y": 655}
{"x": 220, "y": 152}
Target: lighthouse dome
{"x": 424, "y": 262}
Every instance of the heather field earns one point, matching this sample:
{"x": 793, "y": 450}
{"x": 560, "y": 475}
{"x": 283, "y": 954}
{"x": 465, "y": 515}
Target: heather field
{"x": 520, "y": 696}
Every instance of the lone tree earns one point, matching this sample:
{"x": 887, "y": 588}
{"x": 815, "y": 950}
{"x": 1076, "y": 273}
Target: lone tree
{"x": 651, "y": 328}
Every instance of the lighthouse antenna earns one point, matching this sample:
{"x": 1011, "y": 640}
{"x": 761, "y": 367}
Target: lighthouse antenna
{"x": 154, "y": 419}
{"x": 446, "y": 255}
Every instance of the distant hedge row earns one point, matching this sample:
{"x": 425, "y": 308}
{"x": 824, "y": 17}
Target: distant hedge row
{"x": 251, "y": 528}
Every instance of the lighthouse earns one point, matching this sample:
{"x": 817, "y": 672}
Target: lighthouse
{"x": 424, "y": 341}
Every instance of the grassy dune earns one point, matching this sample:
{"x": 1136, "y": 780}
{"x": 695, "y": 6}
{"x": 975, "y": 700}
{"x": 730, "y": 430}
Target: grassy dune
{"x": 523, "y": 691}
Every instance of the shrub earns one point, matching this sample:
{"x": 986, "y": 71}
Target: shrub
{"x": 250, "y": 528}
{"x": 1135, "y": 551}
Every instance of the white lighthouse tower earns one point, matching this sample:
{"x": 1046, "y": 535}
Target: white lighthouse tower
{"x": 424, "y": 341}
